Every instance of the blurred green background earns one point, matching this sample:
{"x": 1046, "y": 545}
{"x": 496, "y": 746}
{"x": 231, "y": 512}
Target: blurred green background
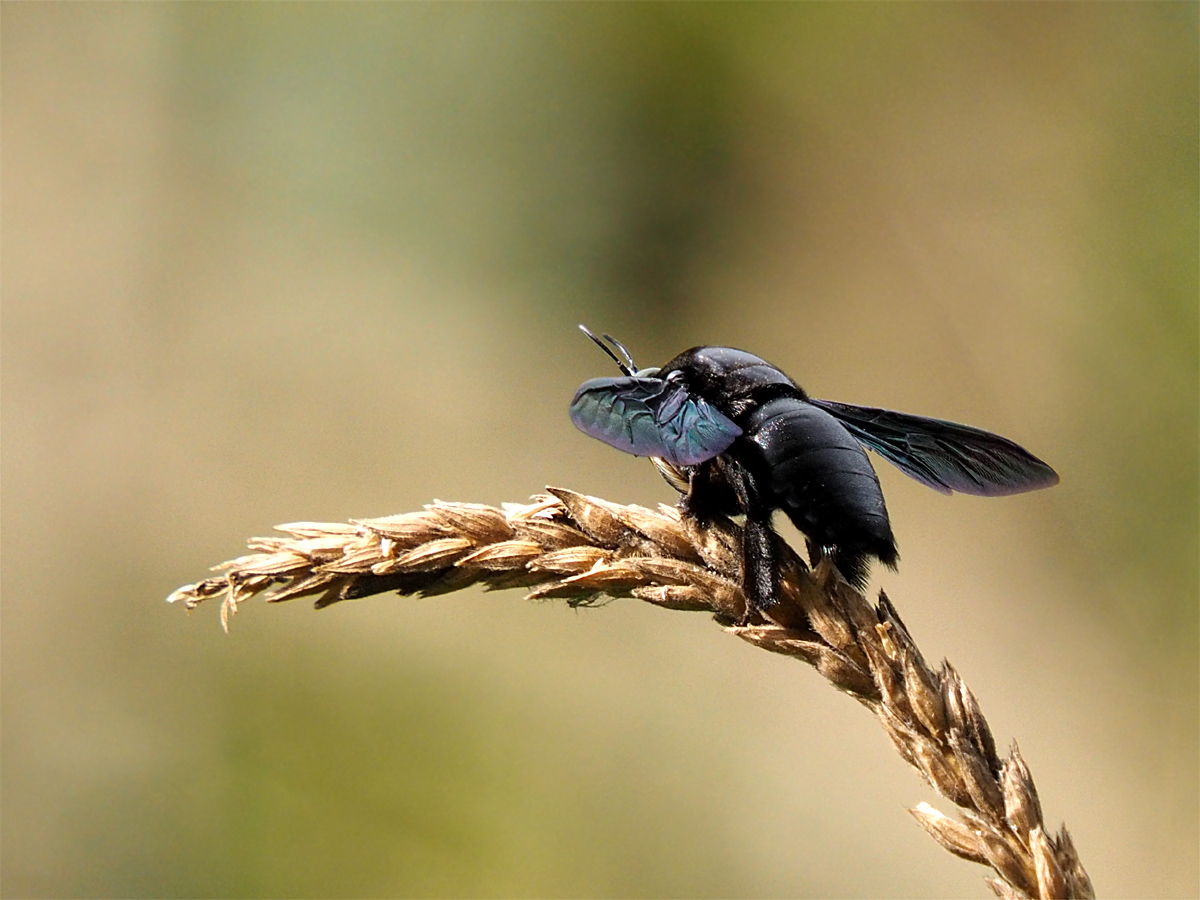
{"x": 274, "y": 262}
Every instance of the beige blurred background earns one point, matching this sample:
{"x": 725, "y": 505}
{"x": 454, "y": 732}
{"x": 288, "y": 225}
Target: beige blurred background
{"x": 264, "y": 263}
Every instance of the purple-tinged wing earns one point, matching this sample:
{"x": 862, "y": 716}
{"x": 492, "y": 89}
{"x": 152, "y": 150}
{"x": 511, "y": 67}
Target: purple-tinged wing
{"x": 652, "y": 417}
{"x": 944, "y": 455}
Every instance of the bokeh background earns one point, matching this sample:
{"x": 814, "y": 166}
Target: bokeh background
{"x": 274, "y": 262}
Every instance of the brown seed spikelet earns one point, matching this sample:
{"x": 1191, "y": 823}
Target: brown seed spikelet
{"x": 579, "y": 548}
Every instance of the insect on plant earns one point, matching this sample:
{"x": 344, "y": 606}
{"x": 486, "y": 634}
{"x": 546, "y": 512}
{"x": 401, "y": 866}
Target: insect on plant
{"x": 735, "y": 435}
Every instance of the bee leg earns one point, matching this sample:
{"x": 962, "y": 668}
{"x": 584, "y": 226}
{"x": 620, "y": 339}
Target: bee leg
{"x": 758, "y": 559}
{"x": 759, "y": 570}
{"x": 693, "y": 503}
{"x": 853, "y": 564}
{"x": 711, "y": 492}
{"x": 722, "y": 486}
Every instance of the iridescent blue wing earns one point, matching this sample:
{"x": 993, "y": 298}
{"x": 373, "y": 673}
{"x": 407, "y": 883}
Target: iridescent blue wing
{"x": 652, "y": 417}
{"x": 944, "y": 455}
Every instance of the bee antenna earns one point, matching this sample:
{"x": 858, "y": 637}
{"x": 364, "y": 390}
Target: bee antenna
{"x": 628, "y": 359}
{"x": 627, "y": 369}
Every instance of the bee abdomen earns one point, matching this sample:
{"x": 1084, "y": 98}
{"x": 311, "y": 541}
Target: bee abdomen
{"x": 820, "y": 476}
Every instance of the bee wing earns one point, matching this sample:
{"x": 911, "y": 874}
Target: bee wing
{"x": 944, "y": 455}
{"x": 652, "y": 417}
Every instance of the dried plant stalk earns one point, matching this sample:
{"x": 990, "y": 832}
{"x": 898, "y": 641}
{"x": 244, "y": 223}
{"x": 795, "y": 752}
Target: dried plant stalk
{"x": 582, "y": 549}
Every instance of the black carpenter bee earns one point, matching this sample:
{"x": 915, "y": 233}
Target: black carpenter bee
{"x": 736, "y": 435}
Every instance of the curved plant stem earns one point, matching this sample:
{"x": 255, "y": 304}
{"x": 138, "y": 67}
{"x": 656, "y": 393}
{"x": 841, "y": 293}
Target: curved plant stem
{"x": 578, "y": 548}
